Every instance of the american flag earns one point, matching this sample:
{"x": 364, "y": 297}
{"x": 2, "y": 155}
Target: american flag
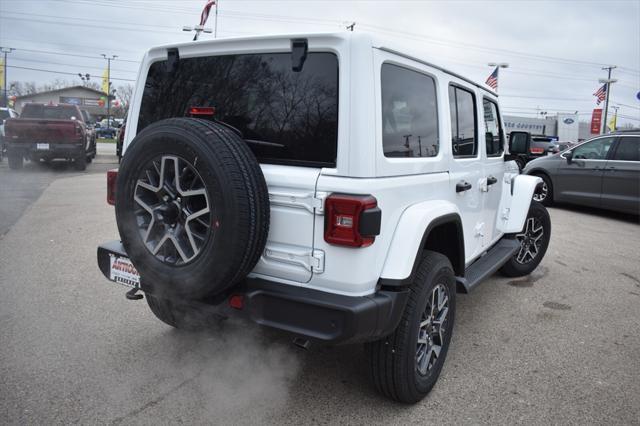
{"x": 492, "y": 81}
{"x": 205, "y": 12}
{"x": 601, "y": 94}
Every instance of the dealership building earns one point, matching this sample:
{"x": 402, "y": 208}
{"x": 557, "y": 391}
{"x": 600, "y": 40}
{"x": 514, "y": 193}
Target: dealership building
{"x": 86, "y": 98}
{"x": 567, "y": 127}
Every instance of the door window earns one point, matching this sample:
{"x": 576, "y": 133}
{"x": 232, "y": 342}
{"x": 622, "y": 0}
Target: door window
{"x": 628, "y": 149}
{"x": 409, "y": 113}
{"x": 492, "y": 129}
{"x": 462, "y": 106}
{"x": 593, "y": 150}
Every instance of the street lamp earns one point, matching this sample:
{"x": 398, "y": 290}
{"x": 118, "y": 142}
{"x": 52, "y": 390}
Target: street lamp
{"x": 198, "y": 29}
{"x": 85, "y": 78}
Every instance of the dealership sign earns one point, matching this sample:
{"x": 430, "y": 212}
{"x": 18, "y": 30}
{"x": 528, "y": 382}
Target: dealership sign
{"x": 596, "y": 121}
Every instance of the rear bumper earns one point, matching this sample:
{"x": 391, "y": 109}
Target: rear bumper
{"x": 314, "y": 314}
{"x": 55, "y": 150}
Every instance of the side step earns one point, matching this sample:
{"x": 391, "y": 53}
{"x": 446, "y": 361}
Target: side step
{"x": 488, "y": 264}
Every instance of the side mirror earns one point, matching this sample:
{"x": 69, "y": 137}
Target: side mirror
{"x": 568, "y": 156}
{"x": 519, "y": 142}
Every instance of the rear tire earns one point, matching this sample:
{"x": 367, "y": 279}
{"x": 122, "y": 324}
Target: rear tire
{"x": 184, "y": 316}
{"x": 15, "y": 160}
{"x": 80, "y": 163}
{"x": 402, "y": 367}
{"x": 526, "y": 260}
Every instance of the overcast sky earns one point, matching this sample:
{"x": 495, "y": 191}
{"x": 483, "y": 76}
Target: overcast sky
{"x": 555, "y": 49}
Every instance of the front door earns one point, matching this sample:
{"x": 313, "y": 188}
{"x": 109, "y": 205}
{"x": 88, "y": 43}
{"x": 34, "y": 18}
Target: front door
{"x": 580, "y": 181}
{"x": 621, "y": 181}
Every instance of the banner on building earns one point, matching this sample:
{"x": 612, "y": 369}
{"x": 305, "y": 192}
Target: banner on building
{"x": 596, "y": 121}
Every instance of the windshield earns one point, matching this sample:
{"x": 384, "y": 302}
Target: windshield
{"x": 50, "y": 112}
{"x": 286, "y": 117}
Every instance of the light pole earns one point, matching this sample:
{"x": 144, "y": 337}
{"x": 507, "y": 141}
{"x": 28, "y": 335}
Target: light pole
{"x": 198, "y": 29}
{"x": 5, "y": 50}
{"x": 109, "y": 59}
{"x": 608, "y": 82}
{"x": 498, "y": 65}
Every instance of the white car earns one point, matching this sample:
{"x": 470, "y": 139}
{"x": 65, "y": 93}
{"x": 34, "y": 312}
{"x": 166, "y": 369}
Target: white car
{"x": 330, "y": 185}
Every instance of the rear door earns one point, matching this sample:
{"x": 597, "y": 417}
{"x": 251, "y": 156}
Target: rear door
{"x": 288, "y": 118}
{"x": 466, "y": 170}
{"x": 580, "y": 181}
{"x": 493, "y": 154}
{"x": 621, "y": 181}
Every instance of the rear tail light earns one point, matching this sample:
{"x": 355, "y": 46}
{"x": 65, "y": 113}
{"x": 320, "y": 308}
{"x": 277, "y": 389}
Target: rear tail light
{"x": 112, "y": 178}
{"x": 202, "y": 111}
{"x": 351, "y": 220}
{"x": 78, "y": 130}
{"x": 536, "y": 150}
{"x": 236, "y": 301}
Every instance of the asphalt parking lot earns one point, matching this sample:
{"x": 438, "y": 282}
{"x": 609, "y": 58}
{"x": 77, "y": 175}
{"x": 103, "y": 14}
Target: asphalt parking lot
{"x": 560, "y": 346}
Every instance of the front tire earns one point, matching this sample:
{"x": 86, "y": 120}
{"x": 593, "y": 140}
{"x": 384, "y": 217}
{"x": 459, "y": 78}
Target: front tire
{"x": 534, "y": 241}
{"x": 80, "y": 163}
{"x": 544, "y": 192}
{"x": 406, "y": 365}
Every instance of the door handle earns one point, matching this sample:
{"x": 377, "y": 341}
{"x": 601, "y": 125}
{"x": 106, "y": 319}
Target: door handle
{"x": 463, "y": 186}
{"x": 491, "y": 180}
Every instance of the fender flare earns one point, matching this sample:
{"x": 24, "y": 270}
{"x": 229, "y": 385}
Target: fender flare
{"x": 410, "y": 236}
{"x": 514, "y": 204}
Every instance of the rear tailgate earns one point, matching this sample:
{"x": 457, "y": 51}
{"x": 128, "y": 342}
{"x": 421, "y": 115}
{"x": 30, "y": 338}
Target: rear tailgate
{"x": 34, "y": 130}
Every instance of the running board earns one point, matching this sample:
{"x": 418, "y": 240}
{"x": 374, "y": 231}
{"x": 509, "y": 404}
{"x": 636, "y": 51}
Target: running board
{"x": 488, "y": 264}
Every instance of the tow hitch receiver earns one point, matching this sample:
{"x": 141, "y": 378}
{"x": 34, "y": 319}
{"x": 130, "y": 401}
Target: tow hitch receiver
{"x": 132, "y": 294}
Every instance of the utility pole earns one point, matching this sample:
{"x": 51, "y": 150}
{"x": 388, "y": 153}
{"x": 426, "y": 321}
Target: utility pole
{"x": 109, "y": 59}
{"x": 5, "y": 50}
{"x": 215, "y": 25}
{"x": 608, "y": 82}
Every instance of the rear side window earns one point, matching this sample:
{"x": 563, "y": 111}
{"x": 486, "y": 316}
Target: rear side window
{"x": 409, "y": 113}
{"x": 492, "y": 129}
{"x": 462, "y": 106}
{"x": 628, "y": 149}
{"x": 50, "y": 112}
{"x": 286, "y": 117}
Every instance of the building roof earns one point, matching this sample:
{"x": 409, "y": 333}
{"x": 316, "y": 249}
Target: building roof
{"x": 97, "y": 92}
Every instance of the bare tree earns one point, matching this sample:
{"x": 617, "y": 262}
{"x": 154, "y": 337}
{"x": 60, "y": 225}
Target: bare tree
{"x": 19, "y": 88}
{"x": 125, "y": 93}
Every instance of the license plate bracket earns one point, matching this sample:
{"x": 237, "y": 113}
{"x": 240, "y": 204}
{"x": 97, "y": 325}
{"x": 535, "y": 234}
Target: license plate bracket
{"x": 42, "y": 146}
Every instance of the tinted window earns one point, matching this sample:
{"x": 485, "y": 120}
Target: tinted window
{"x": 463, "y": 122}
{"x": 285, "y": 117}
{"x": 628, "y": 149}
{"x": 594, "y": 150}
{"x": 50, "y": 112}
{"x": 492, "y": 133}
{"x": 4, "y": 114}
{"x": 518, "y": 143}
{"x": 409, "y": 113}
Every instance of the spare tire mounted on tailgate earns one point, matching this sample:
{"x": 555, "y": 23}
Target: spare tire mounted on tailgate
{"x": 192, "y": 208}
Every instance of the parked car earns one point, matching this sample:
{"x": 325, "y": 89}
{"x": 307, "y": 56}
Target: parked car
{"x": 102, "y": 131}
{"x": 120, "y": 140}
{"x": 4, "y": 114}
{"x": 90, "y": 127}
{"x": 353, "y": 218}
{"x": 603, "y": 172}
{"x": 538, "y": 146}
{"x": 47, "y": 132}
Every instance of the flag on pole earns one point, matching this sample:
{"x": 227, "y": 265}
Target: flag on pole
{"x": 601, "y": 94}
{"x": 205, "y": 12}
{"x": 492, "y": 81}
{"x": 612, "y": 123}
{"x": 105, "y": 81}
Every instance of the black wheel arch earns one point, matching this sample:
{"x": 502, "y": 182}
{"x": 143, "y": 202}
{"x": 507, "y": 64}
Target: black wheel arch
{"x": 452, "y": 248}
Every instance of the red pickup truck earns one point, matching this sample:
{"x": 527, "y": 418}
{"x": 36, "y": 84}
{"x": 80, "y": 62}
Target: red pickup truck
{"x": 47, "y": 132}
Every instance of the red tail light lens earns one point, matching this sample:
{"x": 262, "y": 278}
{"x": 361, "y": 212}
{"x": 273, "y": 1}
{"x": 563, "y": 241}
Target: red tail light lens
{"x": 236, "y": 301}
{"x": 202, "y": 111}
{"x": 112, "y": 178}
{"x": 351, "y": 220}
{"x": 536, "y": 150}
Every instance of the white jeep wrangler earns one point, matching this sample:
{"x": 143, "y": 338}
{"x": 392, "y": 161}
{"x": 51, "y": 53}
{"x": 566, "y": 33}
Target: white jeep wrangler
{"x": 328, "y": 185}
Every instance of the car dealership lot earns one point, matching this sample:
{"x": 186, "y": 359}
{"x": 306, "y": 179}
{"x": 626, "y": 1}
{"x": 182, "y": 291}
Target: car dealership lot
{"x": 561, "y": 346}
